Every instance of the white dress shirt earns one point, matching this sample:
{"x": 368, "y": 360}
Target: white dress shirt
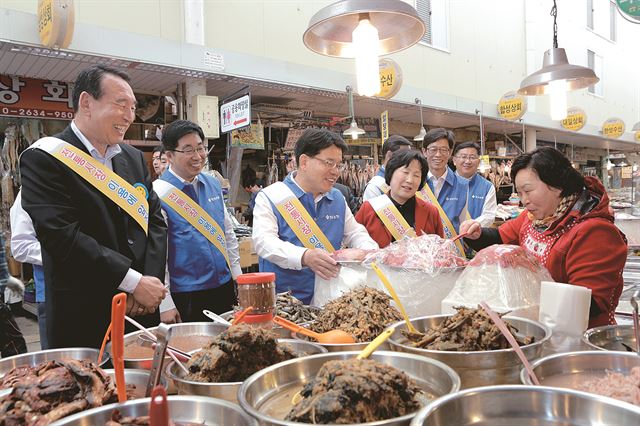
{"x": 287, "y": 255}
{"x": 438, "y": 182}
{"x": 25, "y": 247}
{"x": 489, "y": 209}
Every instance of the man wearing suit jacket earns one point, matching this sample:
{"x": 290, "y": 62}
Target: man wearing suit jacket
{"x": 91, "y": 248}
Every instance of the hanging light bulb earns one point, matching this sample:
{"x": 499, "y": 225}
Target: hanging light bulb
{"x": 354, "y": 131}
{"x": 365, "y": 45}
{"x": 420, "y": 136}
{"x": 609, "y": 165}
{"x": 558, "y": 99}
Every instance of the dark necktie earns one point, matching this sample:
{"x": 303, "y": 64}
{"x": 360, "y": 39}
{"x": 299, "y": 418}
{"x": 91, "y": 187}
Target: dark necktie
{"x": 191, "y": 192}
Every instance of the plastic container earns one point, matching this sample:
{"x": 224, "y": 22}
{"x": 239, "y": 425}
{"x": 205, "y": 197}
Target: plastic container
{"x": 258, "y": 320}
{"x": 259, "y": 291}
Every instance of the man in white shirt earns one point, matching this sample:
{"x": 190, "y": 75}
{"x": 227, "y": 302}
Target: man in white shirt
{"x": 307, "y": 199}
{"x": 377, "y": 185}
{"x": 481, "y": 202}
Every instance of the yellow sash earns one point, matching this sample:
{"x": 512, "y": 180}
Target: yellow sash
{"x": 129, "y": 198}
{"x": 450, "y": 232}
{"x": 391, "y": 217}
{"x": 190, "y": 211}
{"x": 297, "y": 217}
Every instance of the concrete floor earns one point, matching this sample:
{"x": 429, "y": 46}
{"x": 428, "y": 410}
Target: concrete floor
{"x": 29, "y": 327}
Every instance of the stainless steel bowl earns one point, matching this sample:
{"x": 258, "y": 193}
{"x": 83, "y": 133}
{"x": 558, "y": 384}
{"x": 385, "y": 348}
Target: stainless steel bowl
{"x": 272, "y": 388}
{"x": 182, "y": 329}
{"x": 35, "y": 358}
{"x": 516, "y": 405}
{"x": 228, "y": 390}
{"x": 478, "y": 368}
{"x": 611, "y": 338}
{"x": 195, "y": 409}
{"x": 136, "y": 381}
{"x": 570, "y": 369}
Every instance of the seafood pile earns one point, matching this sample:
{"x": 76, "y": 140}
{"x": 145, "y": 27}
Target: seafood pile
{"x": 467, "y": 330}
{"x": 236, "y": 354}
{"x": 356, "y": 391}
{"x": 292, "y": 309}
{"x": 364, "y": 313}
{"x": 616, "y": 385}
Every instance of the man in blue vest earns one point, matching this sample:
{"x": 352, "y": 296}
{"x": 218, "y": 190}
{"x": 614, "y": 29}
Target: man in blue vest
{"x": 280, "y": 246}
{"x": 377, "y": 185}
{"x": 198, "y": 271}
{"x": 481, "y": 203}
{"x": 449, "y": 188}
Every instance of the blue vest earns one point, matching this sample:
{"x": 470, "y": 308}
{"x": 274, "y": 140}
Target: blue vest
{"x": 194, "y": 263}
{"x": 453, "y": 196}
{"x": 329, "y": 215}
{"x": 380, "y": 172}
{"x": 479, "y": 188}
{"x": 38, "y": 279}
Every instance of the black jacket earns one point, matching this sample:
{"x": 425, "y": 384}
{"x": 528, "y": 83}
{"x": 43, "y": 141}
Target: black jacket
{"x": 88, "y": 243}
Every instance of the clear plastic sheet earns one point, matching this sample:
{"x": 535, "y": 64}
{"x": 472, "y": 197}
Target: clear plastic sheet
{"x": 507, "y": 277}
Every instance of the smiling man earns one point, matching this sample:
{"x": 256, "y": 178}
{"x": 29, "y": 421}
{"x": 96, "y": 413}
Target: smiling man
{"x": 299, "y": 222}
{"x": 203, "y": 255}
{"x": 94, "y": 212}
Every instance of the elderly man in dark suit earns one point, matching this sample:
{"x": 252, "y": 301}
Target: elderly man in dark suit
{"x": 91, "y": 247}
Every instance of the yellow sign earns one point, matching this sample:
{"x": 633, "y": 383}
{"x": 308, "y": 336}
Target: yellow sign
{"x": 512, "y": 106}
{"x": 384, "y": 125}
{"x": 390, "y": 78}
{"x": 56, "y": 19}
{"x": 637, "y": 136}
{"x": 576, "y": 119}
{"x": 613, "y": 128}
{"x": 625, "y": 173}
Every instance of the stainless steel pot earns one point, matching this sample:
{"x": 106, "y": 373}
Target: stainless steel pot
{"x": 35, "y": 358}
{"x": 267, "y": 394}
{"x": 477, "y": 368}
{"x": 136, "y": 381}
{"x": 611, "y": 338}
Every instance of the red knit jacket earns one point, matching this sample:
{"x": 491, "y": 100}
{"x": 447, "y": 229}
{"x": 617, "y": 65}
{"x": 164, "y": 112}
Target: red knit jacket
{"x": 592, "y": 254}
{"x": 427, "y": 222}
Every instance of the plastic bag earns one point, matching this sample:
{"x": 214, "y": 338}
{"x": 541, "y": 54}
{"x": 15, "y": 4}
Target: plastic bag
{"x": 349, "y": 278}
{"x": 506, "y": 277}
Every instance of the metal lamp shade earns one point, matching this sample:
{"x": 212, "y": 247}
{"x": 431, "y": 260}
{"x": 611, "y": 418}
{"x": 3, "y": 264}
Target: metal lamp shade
{"x": 636, "y": 127}
{"x": 330, "y": 29}
{"x": 556, "y": 67}
{"x": 420, "y": 136}
{"x": 353, "y": 130}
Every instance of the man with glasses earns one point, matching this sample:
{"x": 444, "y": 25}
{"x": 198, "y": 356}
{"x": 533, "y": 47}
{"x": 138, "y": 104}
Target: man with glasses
{"x": 377, "y": 185}
{"x": 298, "y": 223}
{"x": 481, "y": 202}
{"x": 444, "y": 189}
{"x": 203, "y": 257}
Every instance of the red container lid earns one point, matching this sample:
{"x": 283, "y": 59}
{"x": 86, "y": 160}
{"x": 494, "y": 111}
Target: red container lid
{"x": 256, "y": 318}
{"x": 256, "y": 278}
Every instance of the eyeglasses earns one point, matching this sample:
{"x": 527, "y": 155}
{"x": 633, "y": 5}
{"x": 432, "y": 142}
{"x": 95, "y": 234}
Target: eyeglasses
{"x": 467, "y": 157}
{"x": 189, "y": 150}
{"x": 330, "y": 164}
{"x": 433, "y": 150}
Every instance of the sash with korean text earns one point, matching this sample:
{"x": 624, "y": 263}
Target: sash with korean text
{"x": 391, "y": 217}
{"x": 190, "y": 211}
{"x": 449, "y": 231}
{"x": 297, "y": 217}
{"x": 100, "y": 177}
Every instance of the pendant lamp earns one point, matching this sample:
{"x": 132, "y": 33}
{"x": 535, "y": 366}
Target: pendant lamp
{"x": 364, "y": 30}
{"x": 557, "y": 76}
{"x": 354, "y": 131}
{"x": 420, "y": 136}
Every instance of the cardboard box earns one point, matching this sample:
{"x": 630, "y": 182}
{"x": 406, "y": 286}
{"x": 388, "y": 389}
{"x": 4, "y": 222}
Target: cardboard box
{"x": 248, "y": 257}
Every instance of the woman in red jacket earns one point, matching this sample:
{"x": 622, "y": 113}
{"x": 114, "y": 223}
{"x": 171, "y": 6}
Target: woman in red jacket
{"x": 566, "y": 225}
{"x": 398, "y": 213}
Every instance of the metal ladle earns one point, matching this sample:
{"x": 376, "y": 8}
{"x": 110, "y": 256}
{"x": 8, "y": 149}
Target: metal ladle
{"x": 636, "y": 319}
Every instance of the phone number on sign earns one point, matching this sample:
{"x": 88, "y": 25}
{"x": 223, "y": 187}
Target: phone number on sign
{"x": 33, "y": 112}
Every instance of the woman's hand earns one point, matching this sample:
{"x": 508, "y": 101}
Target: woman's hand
{"x": 473, "y": 228}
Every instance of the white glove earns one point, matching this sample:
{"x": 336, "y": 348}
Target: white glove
{"x": 15, "y": 285}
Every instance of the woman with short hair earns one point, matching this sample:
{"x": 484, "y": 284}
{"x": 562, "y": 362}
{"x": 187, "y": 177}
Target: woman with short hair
{"x": 398, "y": 213}
{"x": 566, "y": 225}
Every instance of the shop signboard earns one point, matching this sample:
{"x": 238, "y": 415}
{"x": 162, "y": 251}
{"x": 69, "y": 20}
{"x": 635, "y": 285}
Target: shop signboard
{"x": 33, "y": 98}
{"x": 235, "y": 114}
{"x": 636, "y": 136}
{"x": 575, "y": 120}
{"x": 56, "y": 19}
{"x": 630, "y": 9}
{"x": 384, "y": 125}
{"x": 250, "y": 137}
{"x": 613, "y": 128}
{"x": 512, "y": 106}
{"x": 293, "y": 134}
{"x": 390, "y": 78}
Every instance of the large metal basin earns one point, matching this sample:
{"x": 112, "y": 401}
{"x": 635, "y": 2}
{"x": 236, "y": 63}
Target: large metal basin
{"x": 228, "y": 390}
{"x": 35, "y": 358}
{"x": 514, "y": 405}
{"x": 611, "y": 337}
{"x": 194, "y": 409}
{"x": 136, "y": 381}
{"x": 478, "y": 368}
{"x": 276, "y": 385}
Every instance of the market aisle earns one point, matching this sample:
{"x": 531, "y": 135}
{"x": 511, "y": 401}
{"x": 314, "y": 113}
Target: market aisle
{"x": 29, "y": 328}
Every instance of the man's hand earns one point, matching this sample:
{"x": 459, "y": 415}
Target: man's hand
{"x": 472, "y": 227}
{"x": 321, "y": 263}
{"x": 171, "y": 316}
{"x": 149, "y": 293}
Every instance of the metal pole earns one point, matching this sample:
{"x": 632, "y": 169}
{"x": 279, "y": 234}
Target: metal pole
{"x": 481, "y": 134}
